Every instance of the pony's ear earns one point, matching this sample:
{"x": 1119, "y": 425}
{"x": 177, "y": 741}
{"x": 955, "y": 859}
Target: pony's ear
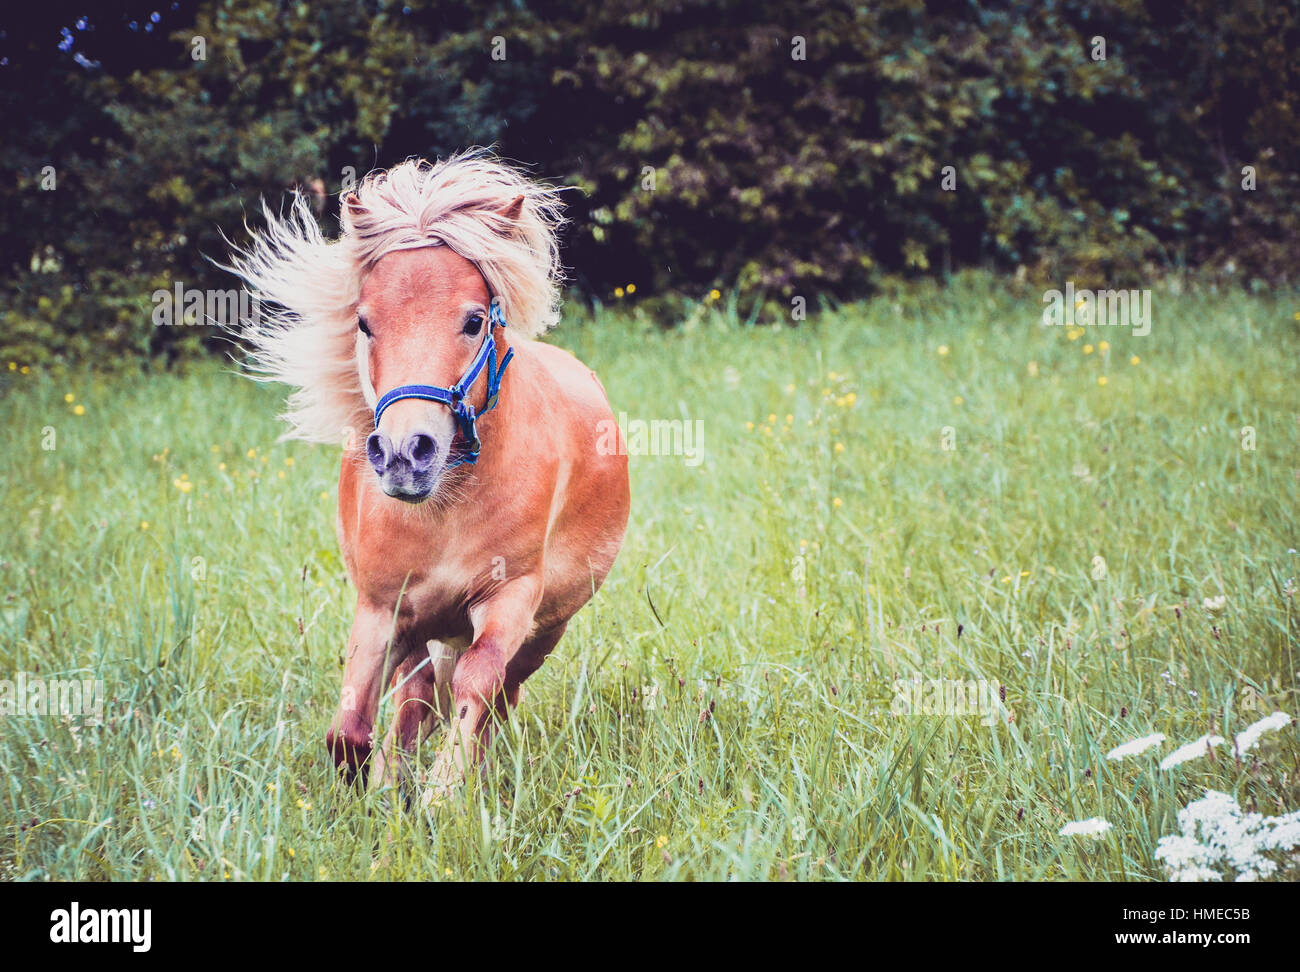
{"x": 513, "y": 210}
{"x": 350, "y": 209}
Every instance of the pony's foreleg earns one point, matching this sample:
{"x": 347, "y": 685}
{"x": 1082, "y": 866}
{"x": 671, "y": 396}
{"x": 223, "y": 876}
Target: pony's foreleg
{"x": 371, "y": 660}
{"x": 413, "y": 713}
{"x": 421, "y": 697}
{"x": 488, "y": 675}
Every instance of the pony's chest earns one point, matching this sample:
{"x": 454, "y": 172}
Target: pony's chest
{"x": 386, "y": 547}
{"x": 429, "y": 568}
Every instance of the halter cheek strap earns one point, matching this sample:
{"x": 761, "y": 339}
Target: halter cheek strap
{"x": 454, "y": 397}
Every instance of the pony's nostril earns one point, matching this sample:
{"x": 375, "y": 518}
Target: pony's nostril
{"x": 421, "y": 449}
{"x": 378, "y": 450}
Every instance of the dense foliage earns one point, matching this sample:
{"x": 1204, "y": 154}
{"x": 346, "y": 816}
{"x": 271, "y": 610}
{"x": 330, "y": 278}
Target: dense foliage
{"x": 712, "y": 143}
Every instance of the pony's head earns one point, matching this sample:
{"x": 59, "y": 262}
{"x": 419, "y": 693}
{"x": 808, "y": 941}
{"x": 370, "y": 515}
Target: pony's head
{"x": 401, "y": 298}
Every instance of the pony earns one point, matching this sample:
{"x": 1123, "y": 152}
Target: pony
{"x": 480, "y": 505}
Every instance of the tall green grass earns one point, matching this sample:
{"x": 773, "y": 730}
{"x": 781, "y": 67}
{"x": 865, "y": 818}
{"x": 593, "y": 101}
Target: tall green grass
{"x": 722, "y": 709}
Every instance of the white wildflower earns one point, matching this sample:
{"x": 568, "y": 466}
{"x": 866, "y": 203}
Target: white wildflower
{"x": 1248, "y": 737}
{"x": 1192, "y": 750}
{"x": 1092, "y": 827}
{"x": 1187, "y": 859}
{"x": 1136, "y": 746}
{"x": 1219, "y": 841}
{"x": 1214, "y": 604}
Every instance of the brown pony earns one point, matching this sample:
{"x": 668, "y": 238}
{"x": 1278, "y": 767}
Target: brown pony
{"x": 474, "y": 525}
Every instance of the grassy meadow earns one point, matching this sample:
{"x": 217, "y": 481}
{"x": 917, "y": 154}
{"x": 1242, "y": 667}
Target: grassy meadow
{"x": 926, "y": 486}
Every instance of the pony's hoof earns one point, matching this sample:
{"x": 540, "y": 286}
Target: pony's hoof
{"x": 434, "y": 797}
{"x": 444, "y": 780}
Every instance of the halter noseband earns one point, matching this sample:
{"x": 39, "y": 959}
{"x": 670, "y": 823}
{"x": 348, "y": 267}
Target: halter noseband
{"x": 454, "y": 397}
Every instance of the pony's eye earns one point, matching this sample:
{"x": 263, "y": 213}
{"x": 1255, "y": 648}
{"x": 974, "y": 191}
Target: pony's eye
{"x": 474, "y": 325}
{"x": 363, "y": 327}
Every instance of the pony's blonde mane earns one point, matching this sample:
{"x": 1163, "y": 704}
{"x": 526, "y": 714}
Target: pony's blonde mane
{"x": 307, "y": 287}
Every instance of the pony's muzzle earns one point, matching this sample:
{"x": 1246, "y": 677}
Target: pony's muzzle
{"x": 404, "y": 469}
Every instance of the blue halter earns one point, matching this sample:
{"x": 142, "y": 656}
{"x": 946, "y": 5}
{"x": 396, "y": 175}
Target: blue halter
{"x": 454, "y": 397}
